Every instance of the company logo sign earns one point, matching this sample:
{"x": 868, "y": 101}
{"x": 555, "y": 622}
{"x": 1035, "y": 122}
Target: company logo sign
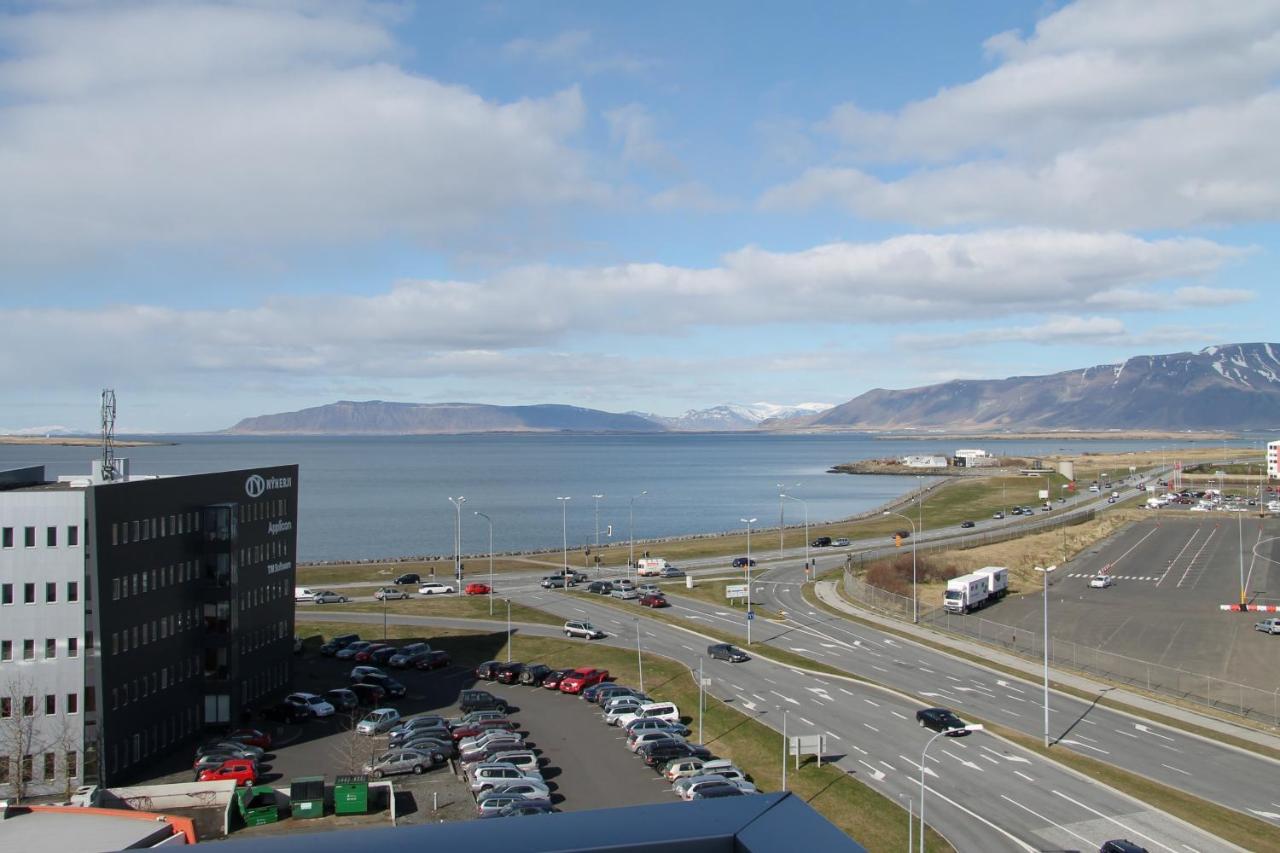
{"x": 272, "y": 568}
{"x": 256, "y": 484}
{"x": 279, "y": 527}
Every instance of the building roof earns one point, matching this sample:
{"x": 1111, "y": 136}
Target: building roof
{"x": 72, "y": 829}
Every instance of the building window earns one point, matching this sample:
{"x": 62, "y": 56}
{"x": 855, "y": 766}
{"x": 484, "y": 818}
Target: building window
{"x": 73, "y": 703}
{"x": 6, "y": 650}
{"x": 88, "y": 640}
{"x": 6, "y": 593}
{"x": 6, "y": 707}
{"x": 115, "y": 589}
{"x": 4, "y": 769}
{"x": 28, "y": 593}
{"x": 28, "y": 706}
{"x": 6, "y": 537}
{"x": 50, "y": 704}
{"x": 71, "y": 765}
{"x": 50, "y": 592}
{"x": 73, "y": 647}
{"x": 28, "y": 649}
{"x": 73, "y": 536}
{"x": 115, "y": 643}
{"x": 90, "y": 703}
{"x": 49, "y": 770}
{"x": 29, "y": 537}
{"x": 50, "y": 648}
{"x": 51, "y": 537}
{"x": 73, "y": 591}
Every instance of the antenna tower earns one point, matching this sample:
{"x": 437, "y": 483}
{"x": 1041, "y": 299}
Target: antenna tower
{"x": 108, "y": 434}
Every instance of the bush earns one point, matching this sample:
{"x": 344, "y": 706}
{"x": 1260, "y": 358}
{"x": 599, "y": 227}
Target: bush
{"x": 894, "y": 575}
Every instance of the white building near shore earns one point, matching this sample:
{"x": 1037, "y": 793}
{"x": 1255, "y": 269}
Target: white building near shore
{"x": 924, "y": 461}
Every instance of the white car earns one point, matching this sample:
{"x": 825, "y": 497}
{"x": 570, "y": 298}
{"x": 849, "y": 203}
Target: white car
{"x": 1101, "y": 581}
{"x": 434, "y": 588}
{"x": 839, "y": 543}
{"x": 317, "y": 705}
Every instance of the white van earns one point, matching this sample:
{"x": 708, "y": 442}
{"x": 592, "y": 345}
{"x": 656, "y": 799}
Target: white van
{"x": 652, "y": 711}
{"x": 651, "y": 567}
{"x": 302, "y": 593}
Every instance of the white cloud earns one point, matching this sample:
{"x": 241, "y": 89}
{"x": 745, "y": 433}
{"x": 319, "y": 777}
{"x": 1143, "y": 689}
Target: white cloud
{"x": 1108, "y": 116}
{"x": 518, "y": 319}
{"x": 632, "y": 128}
{"x": 1054, "y": 332}
{"x": 153, "y": 124}
{"x": 576, "y": 49}
{"x": 691, "y": 195}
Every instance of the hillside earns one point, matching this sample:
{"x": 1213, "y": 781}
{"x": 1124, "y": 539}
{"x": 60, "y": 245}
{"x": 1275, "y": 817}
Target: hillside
{"x": 376, "y": 417}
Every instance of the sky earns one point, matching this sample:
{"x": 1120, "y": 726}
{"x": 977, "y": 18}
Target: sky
{"x": 224, "y": 209}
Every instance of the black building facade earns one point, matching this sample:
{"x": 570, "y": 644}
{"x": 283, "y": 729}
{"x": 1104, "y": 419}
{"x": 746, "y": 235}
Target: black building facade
{"x": 192, "y": 605}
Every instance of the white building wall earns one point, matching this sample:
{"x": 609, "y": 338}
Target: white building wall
{"x": 28, "y": 570}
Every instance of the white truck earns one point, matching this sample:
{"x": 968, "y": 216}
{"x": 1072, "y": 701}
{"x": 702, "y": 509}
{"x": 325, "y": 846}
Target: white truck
{"x": 976, "y": 590}
{"x": 651, "y": 567}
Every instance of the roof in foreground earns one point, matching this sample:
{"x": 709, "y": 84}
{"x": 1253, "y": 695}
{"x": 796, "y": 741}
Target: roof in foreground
{"x": 70, "y": 829}
{"x": 760, "y": 823}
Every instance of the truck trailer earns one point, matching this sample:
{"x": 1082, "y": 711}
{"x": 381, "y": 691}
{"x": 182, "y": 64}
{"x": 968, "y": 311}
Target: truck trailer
{"x": 976, "y": 590}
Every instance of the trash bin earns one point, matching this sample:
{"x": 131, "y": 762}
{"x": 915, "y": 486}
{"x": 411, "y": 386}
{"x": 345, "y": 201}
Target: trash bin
{"x": 351, "y": 794}
{"x": 306, "y": 796}
{"x": 258, "y": 805}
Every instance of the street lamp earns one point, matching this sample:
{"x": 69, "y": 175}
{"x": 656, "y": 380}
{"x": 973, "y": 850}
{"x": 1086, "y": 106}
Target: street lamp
{"x": 564, "y": 533}
{"x": 782, "y": 520}
{"x": 490, "y": 520}
{"x": 806, "y": 526}
{"x": 598, "y": 498}
{"x": 972, "y": 727}
{"x": 631, "y": 525}
{"x": 915, "y": 595}
{"x": 1046, "y": 651}
{"x": 748, "y": 522}
{"x": 639, "y": 659}
{"x": 457, "y": 539}
{"x": 508, "y": 601}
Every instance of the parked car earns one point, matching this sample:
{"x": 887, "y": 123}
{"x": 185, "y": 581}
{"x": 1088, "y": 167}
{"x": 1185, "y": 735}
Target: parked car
{"x": 528, "y": 789}
{"x": 659, "y": 753}
{"x": 486, "y": 776}
{"x": 625, "y": 593}
{"x": 440, "y": 738}
{"x": 393, "y": 688}
{"x": 285, "y": 712}
{"x": 655, "y": 600}
{"x": 508, "y": 673}
{"x": 525, "y": 808}
{"x": 582, "y": 677}
{"x": 1101, "y": 581}
{"x": 391, "y": 593}
{"x": 488, "y": 736}
{"x": 497, "y": 805}
{"x": 821, "y": 542}
{"x": 619, "y": 706}
{"x": 488, "y": 670}
{"x": 656, "y": 726}
{"x": 552, "y": 582}
{"x": 420, "y": 721}
{"x": 317, "y": 706}
{"x": 715, "y": 792}
{"x": 243, "y": 771}
{"x": 701, "y": 784}
{"x": 941, "y": 720}
{"x": 210, "y": 760}
{"x": 479, "y": 753}
{"x": 997, "y": 515}
{"x": 1270, "y": 626}
{"x": 369, "y": 695}
{"x": 478, "y": 589}
{"x": 378, "y": 721}
{"x": 1120, "y": 845}
{"x": 551, "y": 680}
{"x": 328, "y": 596}
{"x": 639, "y": 739}
{"x": 840, "y": 542}
{"x": 606, "y": 690}
{"x": 480, "y": 700}
{"x": 409, "y": 655}
{"x": 600, "y": 588}
{"x": 337, "y": 644}
{"x": 400, "y": 761}
{"x": 671, "y": 572}
{"x": 727, "y": 651}
{"x": 679, "y": 768}
{"x": 651, "y": 711}
{"x": 341, "y": 699}
{"x": 229, "y": 749}
{"x": 366, "y": 654}
{"x": 470, "y": 730}
{"x": 408, "y": 577}
{"x": 742, "y": 562}
{"x": 434, "y": 588}
{"x": 435, "y": 659}
{"x": 359, "y": 672}
{"x": 383, "y": 654}
{"x": 966, "y": 524}
{"x": 477, "y": 716}
{"x": 253, "y": 737}
{"x": 533, "y": 674}
{"x": 584, "y": 629}
{"x": 350, "y": 650}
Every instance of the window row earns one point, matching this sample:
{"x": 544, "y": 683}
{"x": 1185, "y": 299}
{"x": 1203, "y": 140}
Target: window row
{"x": 71, "y": 593}
{"x": 158, "y": 736}
{"x": 264, "y": 594}
{"x": 271, "y": 550}
{"x": 145, "y": 529}
{"x": 29, "y": 538}
{"x": 146, "y": 581}
{"x": 48, "y": 763}
{"x": 154, "y": 630}
{"x": 25, "y": 706}
{"x": 262, "y": 510}
{"x": 153, "y": 682}
{"x": 29, "y": 649}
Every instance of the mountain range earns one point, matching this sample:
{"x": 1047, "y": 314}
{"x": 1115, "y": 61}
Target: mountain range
{"x": 733, "y": 417}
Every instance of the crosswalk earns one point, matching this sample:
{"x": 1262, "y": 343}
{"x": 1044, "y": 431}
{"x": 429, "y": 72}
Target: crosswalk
{"x": 1117, "y": 577}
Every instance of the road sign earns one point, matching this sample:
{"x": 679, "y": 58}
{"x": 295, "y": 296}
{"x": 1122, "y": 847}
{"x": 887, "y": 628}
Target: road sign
{"x": 735, "y": 590}
{"x": 807, "y": 745}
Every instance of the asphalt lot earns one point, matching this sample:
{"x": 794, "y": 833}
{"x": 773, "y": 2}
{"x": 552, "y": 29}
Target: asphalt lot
{"x": 1172, "y": 572}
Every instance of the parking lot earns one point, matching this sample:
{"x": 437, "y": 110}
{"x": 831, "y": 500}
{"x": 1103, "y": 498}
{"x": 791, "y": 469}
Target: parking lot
{"x": 1171, "y": 574}
{"x": 584, "y": 761}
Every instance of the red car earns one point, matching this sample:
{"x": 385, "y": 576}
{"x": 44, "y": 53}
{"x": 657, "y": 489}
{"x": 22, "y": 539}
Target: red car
{"x": 253, "y": 737}
{"x": 655, "y": 599}
{"x": 581, "y": 678}
{"x": 478, "y": 589}
{"x": 367, "y": 654}
{"x": 473, "y": 729}
{"x": 239, "y": 769}
{"x": 435, "y": 659}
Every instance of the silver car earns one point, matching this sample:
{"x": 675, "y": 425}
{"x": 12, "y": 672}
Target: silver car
{"x": 486, "y": 776}
{"x": 328, "y": 596}
{"x": 625, "y": 593}
{"x": 391, "y": 593}
{"x": 529, "y": 790}
{"x": 399, "y": 761}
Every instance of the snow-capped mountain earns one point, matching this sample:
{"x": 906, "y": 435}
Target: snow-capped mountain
{"x": 734, "y": 416}
{"x": 42, "y": 431}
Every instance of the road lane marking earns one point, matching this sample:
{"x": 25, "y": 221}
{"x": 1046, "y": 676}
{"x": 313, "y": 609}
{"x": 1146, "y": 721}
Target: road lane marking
{"x": 899, "y": 716}
{"x": 1023, "y": 775}
{"x": 876, "y": 773}
{"x": 873, "y": 728}
{"x": 872, "y": 704}
{"x": 846, "y": 692}
{"x": 1085, "y": 745}
{"x": 1088, "y": 842}
{"x": 788, "y": 698}
{"x": 928, "y": 771}
{"x": 966, "y": 762}
{"x": 1113, "y": 820}
{"x": 1175, "y": 769}
{"x": 806, "y": 721}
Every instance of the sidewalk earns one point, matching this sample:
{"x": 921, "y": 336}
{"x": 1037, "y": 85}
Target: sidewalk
{"x": 828, "y": 594}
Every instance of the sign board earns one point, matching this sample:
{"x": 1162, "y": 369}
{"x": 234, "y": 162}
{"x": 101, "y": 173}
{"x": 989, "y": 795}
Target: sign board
{"x": 1044, "y": 494}
{"x": 807, "y": 745}
{"x": 735, "y": 590}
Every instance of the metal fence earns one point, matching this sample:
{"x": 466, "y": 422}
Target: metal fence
{"x": 1197, "y": 688}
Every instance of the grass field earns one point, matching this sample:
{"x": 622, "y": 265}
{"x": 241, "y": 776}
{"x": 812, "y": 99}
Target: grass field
{"x": 876, "y": 822}
{"x": 450, "y": 606}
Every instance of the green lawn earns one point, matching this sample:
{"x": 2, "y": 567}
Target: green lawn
{"x": 451, "y": 606}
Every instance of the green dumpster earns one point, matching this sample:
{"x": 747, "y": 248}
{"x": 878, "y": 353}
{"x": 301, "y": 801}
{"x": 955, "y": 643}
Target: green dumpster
{"x": 351, "y": 794}
{"x": 306, "y": 794}
{"x": 258, "y": 805}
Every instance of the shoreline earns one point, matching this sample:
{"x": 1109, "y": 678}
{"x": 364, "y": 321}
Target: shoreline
{"x": 77, "y": 441}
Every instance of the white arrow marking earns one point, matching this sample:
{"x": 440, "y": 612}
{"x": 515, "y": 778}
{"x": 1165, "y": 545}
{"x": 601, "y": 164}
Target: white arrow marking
{"x": 798, "y": 649}
{"x": 965, "y": 762}
{"x": 1267, "y": 815}
{"x": 1016, "y": 759}
{"x": 829, "y": 645}
{"x": 880, "y": 668}
{"x": 928, "y": 771}
{"x": 876, "y": 773}
{"x": 1008, "y": 685}
{"x": 750, "y": 706}
{"x": 1148, "y": 730}
{"x": 1085, "y": 745}
{"x": 788, "y": 698}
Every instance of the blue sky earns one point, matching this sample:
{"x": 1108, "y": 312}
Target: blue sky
{"x": 223, "y": 209}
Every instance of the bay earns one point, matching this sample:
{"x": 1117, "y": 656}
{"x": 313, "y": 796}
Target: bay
{"x": 382, "y": 497}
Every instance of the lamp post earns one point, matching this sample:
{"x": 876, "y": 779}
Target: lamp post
{"x": 639, "y": 659}
{"x": 631, "y": 525}
{"x": 806, "y": 526}
{"x": 508, "y": 601}
{"x": 597, "y": 499}
{"x": 564, "y": 538}
{"x": 915, "y": 594}
{"x": 748, "y": 522}
{"x": 782, "y": 520}
{"x": 972, "y": 727}
{"x": 1046, "y": 651}
{"x": 490, "y": 520}
{"x": 457, "y": 538}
